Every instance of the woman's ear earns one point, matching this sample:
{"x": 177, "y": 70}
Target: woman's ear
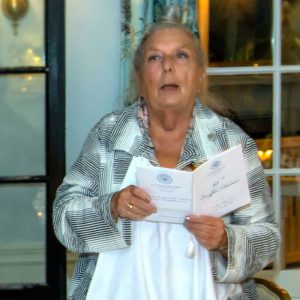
{"x": 202, "y": 75}
{"x": 202, "y": 83}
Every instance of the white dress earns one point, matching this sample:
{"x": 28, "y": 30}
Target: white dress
{"x": 157, "y": 267}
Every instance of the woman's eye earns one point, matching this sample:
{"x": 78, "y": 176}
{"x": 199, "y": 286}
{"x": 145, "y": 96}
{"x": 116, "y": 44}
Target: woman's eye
{"x": 181, "y": 55}
{"x": 154, "y": 57}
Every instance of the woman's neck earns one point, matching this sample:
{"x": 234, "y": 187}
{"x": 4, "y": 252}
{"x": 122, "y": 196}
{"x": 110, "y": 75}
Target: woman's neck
{"x": 168, "y": 133}
{"x": 169, "y": 120}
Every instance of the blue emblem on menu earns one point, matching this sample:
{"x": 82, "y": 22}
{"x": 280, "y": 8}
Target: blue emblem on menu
{"x": 215, "y": 164}
{"x": 164, "y": 178}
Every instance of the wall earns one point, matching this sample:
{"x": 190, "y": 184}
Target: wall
{"x": 92, "y": 67}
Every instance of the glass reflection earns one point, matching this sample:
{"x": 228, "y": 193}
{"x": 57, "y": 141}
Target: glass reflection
{"x": 22, "y": 233}
{"x": 290, "y": 32}
{"x": 22, "y": 125}
{"x": 240, "y": 33}
{"x": 290, "y": 187}
{"x": 290, "y": 121}
{"x": 249, "y": 102}
{"x": 26, "y": 48}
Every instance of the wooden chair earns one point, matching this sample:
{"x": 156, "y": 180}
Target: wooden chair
{"x": 269, "y": 290}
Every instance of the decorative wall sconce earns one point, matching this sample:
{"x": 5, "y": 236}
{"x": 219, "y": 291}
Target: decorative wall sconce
{"x": 15, "y": 10}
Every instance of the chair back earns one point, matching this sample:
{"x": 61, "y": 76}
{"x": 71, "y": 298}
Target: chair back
{"x": 269, "y": 290}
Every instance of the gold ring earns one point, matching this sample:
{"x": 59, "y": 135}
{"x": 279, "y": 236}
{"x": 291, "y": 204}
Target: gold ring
{"x": 130, "y": 206}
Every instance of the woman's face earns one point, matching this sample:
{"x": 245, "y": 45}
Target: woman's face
{"x": 170, "y": 73}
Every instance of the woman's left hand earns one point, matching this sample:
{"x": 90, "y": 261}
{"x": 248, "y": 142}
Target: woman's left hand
{"x": 209, "y": 231}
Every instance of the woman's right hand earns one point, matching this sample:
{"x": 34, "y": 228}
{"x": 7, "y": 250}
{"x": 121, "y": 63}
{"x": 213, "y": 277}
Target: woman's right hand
{"x": 132, "y": 203}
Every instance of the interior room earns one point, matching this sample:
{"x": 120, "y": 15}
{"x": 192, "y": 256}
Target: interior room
{"x": 66, "y": 64}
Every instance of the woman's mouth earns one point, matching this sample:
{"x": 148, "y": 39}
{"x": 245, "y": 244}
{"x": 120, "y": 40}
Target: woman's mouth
{"x": 169, "y": 87}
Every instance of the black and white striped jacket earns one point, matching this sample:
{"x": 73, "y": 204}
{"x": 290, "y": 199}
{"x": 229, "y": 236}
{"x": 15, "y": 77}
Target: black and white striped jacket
{"x": 82, "y": 218}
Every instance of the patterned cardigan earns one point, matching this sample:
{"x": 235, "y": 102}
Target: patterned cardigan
{"x": 82, "y": 218}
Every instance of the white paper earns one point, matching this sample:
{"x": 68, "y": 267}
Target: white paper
{"x": 171, "y": 192}
{"x": 215, "y": 188}
{"x": 220, "y": 185}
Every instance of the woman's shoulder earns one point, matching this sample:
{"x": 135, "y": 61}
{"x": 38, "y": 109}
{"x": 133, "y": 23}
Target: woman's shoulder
{"x": 217, "y": 121}
{"x": 111, "y": 129}
{"x": 215, "y": 117}
{"x": 117, "y": 117}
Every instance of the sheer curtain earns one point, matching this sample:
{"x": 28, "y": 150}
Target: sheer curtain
{"x": 136, "y": 15}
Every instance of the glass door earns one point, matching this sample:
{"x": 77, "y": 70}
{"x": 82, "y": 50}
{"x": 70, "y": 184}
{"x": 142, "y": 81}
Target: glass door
{"x": 254, "y": 69}
{"x": 32, "y": 147}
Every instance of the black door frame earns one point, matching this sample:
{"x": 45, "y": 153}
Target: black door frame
{"x": 54, "y": 71}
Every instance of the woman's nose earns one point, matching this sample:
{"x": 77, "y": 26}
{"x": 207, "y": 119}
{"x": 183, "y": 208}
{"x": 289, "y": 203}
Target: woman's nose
{"x": 168, "y": 65}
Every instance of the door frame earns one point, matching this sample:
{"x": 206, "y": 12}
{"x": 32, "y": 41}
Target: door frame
{"x": 54, "y": 71}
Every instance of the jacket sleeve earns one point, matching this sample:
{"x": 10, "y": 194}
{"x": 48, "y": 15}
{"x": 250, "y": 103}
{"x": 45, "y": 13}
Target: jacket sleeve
{"x": 81, "y": 213}
{"x": 253, "y": 236}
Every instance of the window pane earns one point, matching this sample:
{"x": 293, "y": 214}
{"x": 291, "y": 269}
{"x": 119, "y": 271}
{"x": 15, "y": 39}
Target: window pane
{"x": 22, "y": 125}
{"x": 290, "y": 121}
{"x": 249, "y": 100}
{"x": 290, "y": 32}
{"x": 240, "y": 32}
{"x": 22, "y": 233}
{"x": 290, "y": 186}
{"x": 22, "y": 45}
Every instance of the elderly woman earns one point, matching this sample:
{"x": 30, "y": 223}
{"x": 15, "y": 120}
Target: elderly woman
{"x": 170, "y": 127}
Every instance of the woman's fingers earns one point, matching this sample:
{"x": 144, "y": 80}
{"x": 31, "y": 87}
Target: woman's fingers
{"x": 209, "y": 231}
{"x": 132, "y": 203}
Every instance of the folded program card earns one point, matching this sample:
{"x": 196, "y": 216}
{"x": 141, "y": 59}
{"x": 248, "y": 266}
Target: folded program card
{"x": 215, "y": 188}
